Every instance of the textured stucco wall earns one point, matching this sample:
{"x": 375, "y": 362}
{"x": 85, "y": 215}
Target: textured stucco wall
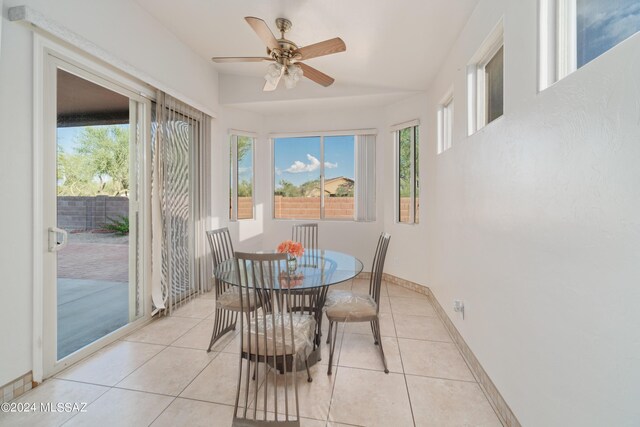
{"x": 534, "y": 222}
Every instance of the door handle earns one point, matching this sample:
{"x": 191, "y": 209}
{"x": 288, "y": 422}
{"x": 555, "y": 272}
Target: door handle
{"x": 54, "y": 246}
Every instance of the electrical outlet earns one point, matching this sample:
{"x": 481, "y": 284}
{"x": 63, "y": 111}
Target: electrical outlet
{"x": 458, "y": 307}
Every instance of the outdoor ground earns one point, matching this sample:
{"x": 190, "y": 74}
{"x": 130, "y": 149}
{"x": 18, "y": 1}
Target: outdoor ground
{"x": 93, "y": 289}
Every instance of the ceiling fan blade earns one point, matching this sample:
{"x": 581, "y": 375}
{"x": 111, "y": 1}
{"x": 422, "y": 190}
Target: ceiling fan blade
{"x": 326, "y": 47}
{"x": 269, "y": 86}
{"x": 262, "y": 30}
{"x": 223, "y": 59}
{"x": 315, "y": 75}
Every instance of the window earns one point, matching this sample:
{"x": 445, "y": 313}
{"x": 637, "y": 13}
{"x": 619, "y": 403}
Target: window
{"x": 241, "y": 185}
{"x": 408, "y": 174}
{"x": 485, "y": 76}
{"x": 315, "y": 177}
{"x": 574, "y": 32}
{"x": 445, "y": 125}
{"x": 494, "y": 87}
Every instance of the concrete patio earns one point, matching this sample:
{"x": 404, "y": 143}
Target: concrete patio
{"x": 93, "y": 289}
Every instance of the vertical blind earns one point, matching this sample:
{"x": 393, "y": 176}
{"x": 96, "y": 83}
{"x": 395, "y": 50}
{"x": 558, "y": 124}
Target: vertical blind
{"x": 365, "y": 191}
{"x": 180, "y": 202}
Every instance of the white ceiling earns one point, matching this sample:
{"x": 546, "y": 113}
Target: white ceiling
{"x": 396, "y": 45}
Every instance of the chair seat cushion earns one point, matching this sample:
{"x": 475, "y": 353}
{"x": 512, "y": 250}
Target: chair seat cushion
{"x": 230, "y": 300}
{"x": 269, "y": 336}
{"x": 345, "y": 306}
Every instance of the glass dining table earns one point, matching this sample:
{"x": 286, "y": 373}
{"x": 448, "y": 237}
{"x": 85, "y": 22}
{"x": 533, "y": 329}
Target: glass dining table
{"x": 316, "y": 271}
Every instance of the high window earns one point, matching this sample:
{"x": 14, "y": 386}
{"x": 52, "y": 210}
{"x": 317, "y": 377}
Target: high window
{"x": 324, "y": 177}
{"x": 241, "y": 183}
{"x": 407, "y": 144}
{"x": 485, "y": 77}
{"x": 445, "y": 124}
{"x": 574, "y": 32}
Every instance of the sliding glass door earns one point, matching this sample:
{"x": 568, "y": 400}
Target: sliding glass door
{"x": 93, "y": 177}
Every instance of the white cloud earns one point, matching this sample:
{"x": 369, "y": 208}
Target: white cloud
{"x": 314, "y": 164}
{"x": 299, "y": 167}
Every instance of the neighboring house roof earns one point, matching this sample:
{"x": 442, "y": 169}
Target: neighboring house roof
{"x": 330, "y": 186}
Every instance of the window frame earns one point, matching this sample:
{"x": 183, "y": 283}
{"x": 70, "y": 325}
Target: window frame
{"x": 233, "y": 174}
{"x": 355, "y": 133}
{"x": 558, "y": 41}
{"x": 414, "y": 141}
{"x": 476, "y": 82}
{"x": 446, "y": 113}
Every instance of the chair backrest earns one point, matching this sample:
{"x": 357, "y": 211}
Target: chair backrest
{"x": 221, "y": 250}
{"x": 378, "y": 267}
{"x": 267, "y": 336}
{"x": 307, "y": 234}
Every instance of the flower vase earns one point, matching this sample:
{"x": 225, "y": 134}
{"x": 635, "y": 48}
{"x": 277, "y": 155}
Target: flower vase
{"x": 292, "y": 264}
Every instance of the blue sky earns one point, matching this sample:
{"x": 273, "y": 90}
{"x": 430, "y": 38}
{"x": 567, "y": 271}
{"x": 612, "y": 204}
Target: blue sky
{"x": 603, "y": 24}
{"x": 297, "y": 160}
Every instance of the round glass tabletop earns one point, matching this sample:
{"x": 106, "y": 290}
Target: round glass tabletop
{"x": 314, "y": 269}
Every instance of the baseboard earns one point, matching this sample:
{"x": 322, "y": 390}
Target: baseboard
{"x": 17, "y": 387}
{"x": 500, "y": 406}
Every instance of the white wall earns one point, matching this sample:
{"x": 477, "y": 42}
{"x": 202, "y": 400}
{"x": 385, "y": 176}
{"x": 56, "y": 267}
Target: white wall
{"x": 128, "y": 32}
{"x": 534, "y": 222}
{"x": 246, "y": 234}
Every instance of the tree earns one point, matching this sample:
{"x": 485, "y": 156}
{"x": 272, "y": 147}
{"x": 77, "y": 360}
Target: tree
{"x": 100, "y": 164}
{"x": 75, "y": 176}
{"x": 345, "y": 190}
{"x": 288, "y": 189}
{"x": 244, "y": 189}
{"x": 404, "y": 167}
{"x": 244, "y": 146}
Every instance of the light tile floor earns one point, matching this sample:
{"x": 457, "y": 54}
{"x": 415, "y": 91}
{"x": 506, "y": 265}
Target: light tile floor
{"x": 161, "y": 375}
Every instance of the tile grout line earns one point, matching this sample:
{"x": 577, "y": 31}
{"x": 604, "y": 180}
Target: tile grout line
{"x": 335, "y": 374}
{"x": 404, "y": 375}
{"x": 466, "y": 362}
{"x": 92, "y": 402}
{"x": 155, "y": 355}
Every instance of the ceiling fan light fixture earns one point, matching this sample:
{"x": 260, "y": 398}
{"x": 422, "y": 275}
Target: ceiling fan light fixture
{"x": 273, "y": 73}
{"x": 291, "y": 77}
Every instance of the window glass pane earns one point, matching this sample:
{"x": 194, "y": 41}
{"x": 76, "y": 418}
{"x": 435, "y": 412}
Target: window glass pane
{"x": 245, "y": 177}
{"x": 416, "y": 188}
{"x": 297, "y": 178}
{"x": 602, "y": 24}
{"x": 494, "y": 77}
{"x": 404, "y": 174}
{"x": 448, "y": 125}
{"x": 339, "y": 182}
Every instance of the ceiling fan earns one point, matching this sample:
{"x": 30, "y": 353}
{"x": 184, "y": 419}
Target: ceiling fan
{"x": 285, "y": 55}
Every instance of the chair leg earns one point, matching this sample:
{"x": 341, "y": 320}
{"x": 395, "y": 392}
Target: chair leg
{"x": 379, "y": 339}
{"x": 306, "y": 365}
{"x": 375, "y": 335}
{"x": 329, "y": 334}
{"x": 224, "y": 322}
{"x": 332, "y": 347}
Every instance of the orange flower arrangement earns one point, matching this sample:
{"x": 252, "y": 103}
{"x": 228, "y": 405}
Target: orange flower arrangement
{"x": 290, "y": 247}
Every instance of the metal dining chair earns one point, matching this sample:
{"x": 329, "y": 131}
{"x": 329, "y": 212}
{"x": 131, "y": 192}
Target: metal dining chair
{"x": 227, "y": 296}
{"x": 276, "y": 340}
{"x": 347, "y": 306}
